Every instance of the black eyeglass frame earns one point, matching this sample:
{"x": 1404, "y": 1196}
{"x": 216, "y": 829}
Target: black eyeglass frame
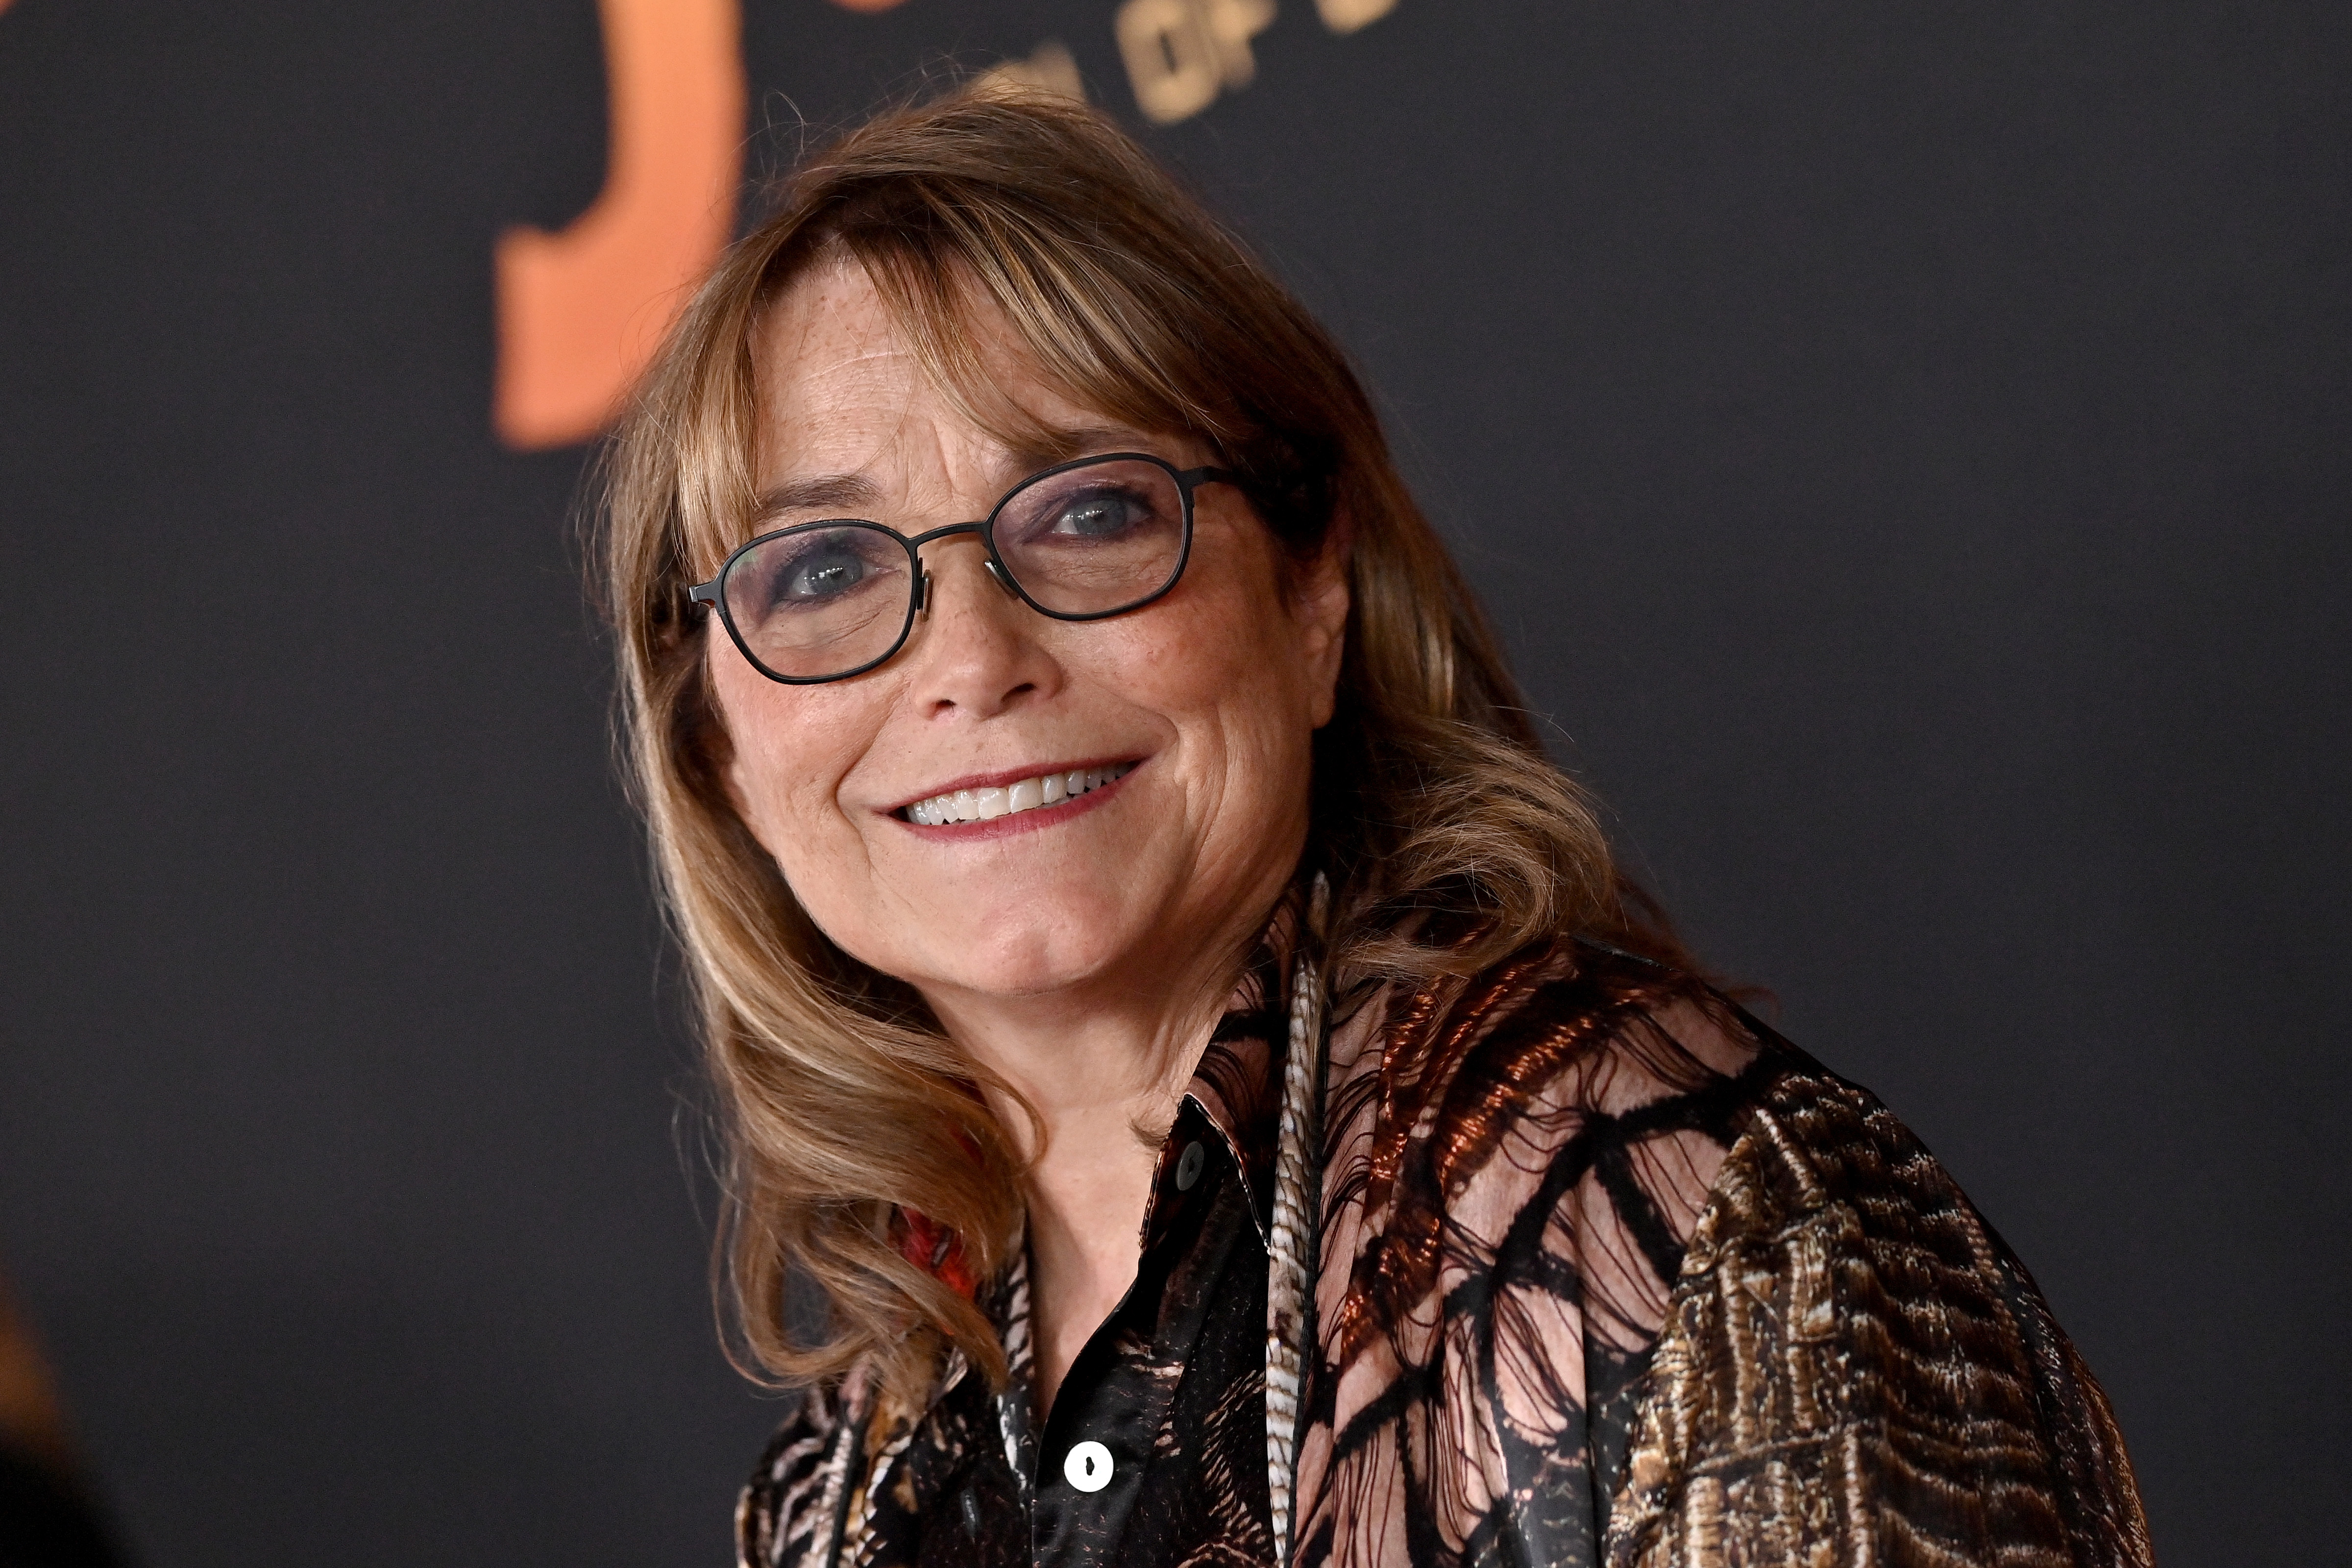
{"x": 917, "y": 601}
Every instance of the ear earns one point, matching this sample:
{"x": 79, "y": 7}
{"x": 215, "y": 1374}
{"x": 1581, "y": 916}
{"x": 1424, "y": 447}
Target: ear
{"x": 1322, "y": 602}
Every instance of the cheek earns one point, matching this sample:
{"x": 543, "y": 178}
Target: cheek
{"x": 1229, "y": 666}
{"x": 792, "y": 745}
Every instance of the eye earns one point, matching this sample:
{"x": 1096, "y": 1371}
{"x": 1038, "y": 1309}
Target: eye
{"x": 1100, "y": 512}
{"x": 817, "y": 570}
{"x": 825, "y": 573}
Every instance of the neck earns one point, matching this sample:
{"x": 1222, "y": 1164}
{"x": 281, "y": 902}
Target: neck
{"x": 1103, "y": 1071}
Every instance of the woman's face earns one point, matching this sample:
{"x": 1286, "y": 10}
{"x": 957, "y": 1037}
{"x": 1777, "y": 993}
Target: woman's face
{"x": 1207, "y": 698}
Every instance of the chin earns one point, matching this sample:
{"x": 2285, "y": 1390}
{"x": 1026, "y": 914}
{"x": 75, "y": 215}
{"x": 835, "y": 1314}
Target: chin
{"x": 1018, "y": 960}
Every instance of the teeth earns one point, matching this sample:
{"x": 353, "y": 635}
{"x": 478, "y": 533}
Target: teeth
{"x": 985, "y": 805}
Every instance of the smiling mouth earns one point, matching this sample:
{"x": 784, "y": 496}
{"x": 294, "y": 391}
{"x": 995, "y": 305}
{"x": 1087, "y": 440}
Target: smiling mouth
{"x": 1027, "y": 794}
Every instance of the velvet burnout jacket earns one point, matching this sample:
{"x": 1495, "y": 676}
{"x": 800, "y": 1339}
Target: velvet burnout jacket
{"x": 1570, "y": 1263}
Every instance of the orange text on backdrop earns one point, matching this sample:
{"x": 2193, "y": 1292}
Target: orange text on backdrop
{"x": 580, "y": 311}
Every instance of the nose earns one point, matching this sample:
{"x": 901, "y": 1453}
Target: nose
{"x": 975, "y": 651}
{"x": 924, "y": 588}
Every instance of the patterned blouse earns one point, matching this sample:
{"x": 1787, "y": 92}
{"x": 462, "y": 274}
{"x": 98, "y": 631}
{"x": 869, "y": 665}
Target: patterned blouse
{"x": 1605, "y": 1272}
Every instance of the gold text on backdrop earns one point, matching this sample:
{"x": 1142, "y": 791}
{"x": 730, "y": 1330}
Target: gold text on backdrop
{"x": 1180, "y": 54}
{"x": 1050, "y": 67}
{"x": 1347, "y": 15}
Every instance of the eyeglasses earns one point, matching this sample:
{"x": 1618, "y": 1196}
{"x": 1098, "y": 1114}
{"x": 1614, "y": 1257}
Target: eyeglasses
{"x": 1083, "y": 541}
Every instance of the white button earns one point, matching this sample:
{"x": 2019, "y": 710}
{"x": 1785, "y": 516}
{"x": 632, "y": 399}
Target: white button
{"x": 1188, "y": 1167}
{"x": 1089, "y": 1467}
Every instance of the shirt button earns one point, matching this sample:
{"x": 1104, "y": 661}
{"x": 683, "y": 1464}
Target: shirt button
{"x": 1089, "y": 1465}
{"x": 1188, "y": 1167}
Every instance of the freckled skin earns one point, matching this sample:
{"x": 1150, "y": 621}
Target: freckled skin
{"x": 1216, "y": 687}
{"x": 1084, "y": 962}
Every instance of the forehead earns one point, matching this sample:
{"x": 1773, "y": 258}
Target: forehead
{"x": 826, "y": 340}
{"x": 843, "y": 388}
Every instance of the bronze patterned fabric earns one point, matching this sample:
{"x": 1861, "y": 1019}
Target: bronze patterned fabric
{"x": 1856, "y": 1370}
{"x": 1511, "y": 1166}
{"x": 1608, "y": 1272}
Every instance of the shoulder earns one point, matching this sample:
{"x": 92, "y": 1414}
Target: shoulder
{"x": 1512, "y": 1162}
{"x": 1552, "y": 1007}
{"x": 1539, "y": 1138}
{"x": 1847, "y": 1330}
{"x": 1802, "y": 1304}
{"x": 1566, "y": 1050}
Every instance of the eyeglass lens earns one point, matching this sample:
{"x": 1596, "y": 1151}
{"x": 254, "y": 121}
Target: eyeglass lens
{"x": 1095, "y": 540}
{"x": 831, "y": 598}
{"x": 822, "y": 600}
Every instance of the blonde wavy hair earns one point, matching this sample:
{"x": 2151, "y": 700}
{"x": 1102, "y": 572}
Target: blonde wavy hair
{"x": 1434, "y": 811}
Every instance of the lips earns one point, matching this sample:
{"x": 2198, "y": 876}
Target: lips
{"x": 1006, "y": 800}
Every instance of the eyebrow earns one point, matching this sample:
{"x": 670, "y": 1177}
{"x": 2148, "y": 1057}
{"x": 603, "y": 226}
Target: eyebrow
{"x": 817, "y": 492}
{"x": 855, "y": 495}
{"x": 1052, "y": 443}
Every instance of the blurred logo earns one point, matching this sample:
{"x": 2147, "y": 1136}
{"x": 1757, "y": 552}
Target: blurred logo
{"x": 582, "y": 311}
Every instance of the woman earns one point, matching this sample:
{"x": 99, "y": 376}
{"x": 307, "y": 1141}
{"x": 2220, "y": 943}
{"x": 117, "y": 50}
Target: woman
{"x": 1163, "y": 995}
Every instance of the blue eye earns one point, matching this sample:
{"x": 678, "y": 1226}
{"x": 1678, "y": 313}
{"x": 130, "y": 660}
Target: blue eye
{"x": 1099, "y": 514}
{"x": 799, "y": 572}
{"x": 822, "y": 573}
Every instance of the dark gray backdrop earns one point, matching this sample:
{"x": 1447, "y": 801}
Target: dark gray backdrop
{"x": 1904, "y": 443}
